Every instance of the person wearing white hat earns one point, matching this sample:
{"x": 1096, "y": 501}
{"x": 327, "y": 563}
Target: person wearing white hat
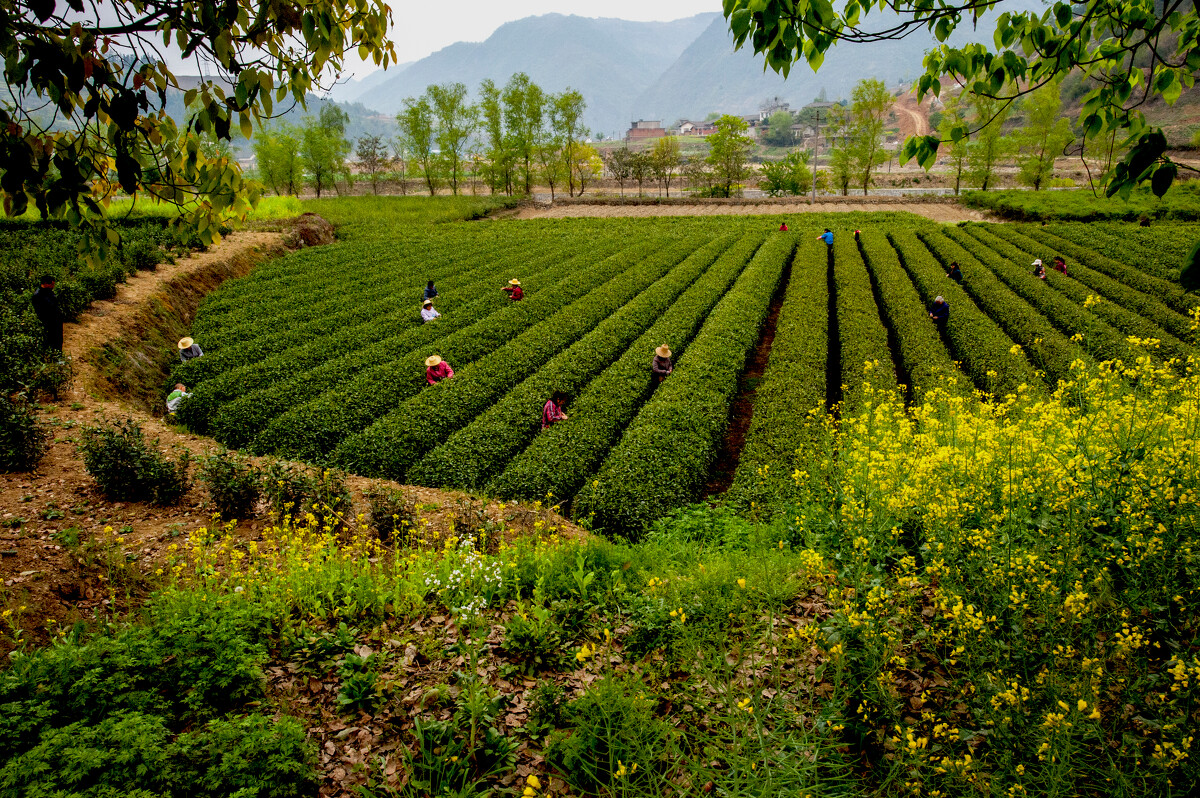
{"x": 437, "y": 370}
{"x": 1038, "y": 269}
{"x": 513, "y": 289}
{"x": 941, "y": 311}
{"x": 427, "y": 312}
{"x": 188, "y": 349}
{"x": 660, "y": 366}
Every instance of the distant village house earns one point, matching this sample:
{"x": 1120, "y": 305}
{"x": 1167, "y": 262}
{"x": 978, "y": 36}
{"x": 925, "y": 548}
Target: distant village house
{"x": 643, "y": 129}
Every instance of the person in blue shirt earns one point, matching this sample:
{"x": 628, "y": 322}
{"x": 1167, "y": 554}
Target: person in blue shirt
{"x": 827, "y": 237}
{"x": 941, "y": 312}
{"x": 430, "y": 291}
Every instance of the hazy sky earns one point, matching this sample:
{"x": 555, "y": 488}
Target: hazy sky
{"x": 421, "y": 28}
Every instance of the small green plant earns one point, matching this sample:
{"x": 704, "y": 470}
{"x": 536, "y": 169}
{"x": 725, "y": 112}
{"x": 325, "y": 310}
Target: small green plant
{"x": 532, "y": 637}
{"x": 614, "y": 726}
{"x": 51, "y": 512}
{"x": 360, "y": 689}
{"x": 392, "y": 515}
{"x": 234, "y": 484}
{"x": 547, "y": 704}
{"x": 127, "y": 468}
{"x": 23, "y": 440}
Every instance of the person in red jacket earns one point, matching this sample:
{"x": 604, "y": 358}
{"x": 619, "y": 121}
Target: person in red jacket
{"x": 783, "y": 227}
{"x": 552, "y": 411}
{"x": 437, "y": 370}
{"x": 514, "y": 290}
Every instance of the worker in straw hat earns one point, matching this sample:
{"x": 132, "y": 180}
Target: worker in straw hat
{"x": 514, "y": 290}
{"x": 660, "y": 366}
{"x": 188, "y": 349}
{"x": 437, "y": 369}
{"x": 427, "y": 311}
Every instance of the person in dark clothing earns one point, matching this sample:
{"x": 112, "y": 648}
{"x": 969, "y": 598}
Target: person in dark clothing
{"x": 660, "y": 366}
{"x": 430, "y": 291}
{"x": 941, "y": 312}
{"x": 45, "y": 305}
{"x": 188, "y": 350}
{"x": 1039, "y": 271}
{"x": 1060, "y": 265}
{"x": 955, "y": 273}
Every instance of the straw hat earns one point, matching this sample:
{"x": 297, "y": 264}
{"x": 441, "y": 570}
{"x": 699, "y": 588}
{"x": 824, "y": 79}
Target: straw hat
{"x": 184, "y": 343}
{"x": 432, "y": 361}
{"x": 1037, "y": 262}
{"x": 428, "y": 303}
{"x": 663, "y": 351}
{"x": 514, "y": 281}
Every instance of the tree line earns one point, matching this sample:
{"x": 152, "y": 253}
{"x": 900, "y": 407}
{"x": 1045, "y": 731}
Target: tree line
{"x": 514, "y": 137}
{"x": 855, "y": 133}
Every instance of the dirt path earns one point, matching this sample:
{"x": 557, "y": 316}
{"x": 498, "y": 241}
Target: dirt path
{"x": 937, "y": 211}
{"x": 913, "y": 119}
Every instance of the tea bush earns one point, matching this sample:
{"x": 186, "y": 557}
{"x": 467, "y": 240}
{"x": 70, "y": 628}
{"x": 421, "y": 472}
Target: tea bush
{"x": 234, "y": 484}
{"x": 23, "y": 440}
{"x": 127, "y": 468}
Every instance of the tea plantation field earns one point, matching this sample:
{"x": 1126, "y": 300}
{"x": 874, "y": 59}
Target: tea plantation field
{"x": 319, "y": 356}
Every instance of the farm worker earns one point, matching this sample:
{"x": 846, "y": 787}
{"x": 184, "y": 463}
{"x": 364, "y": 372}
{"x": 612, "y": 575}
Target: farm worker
{"x": 437, "y": 369}
{"x": 955, "y": 273}
{"x": 176, "y": 397}
{"x": 827, "y": 237}
{"x": 552, "y": 412}
{"x": 941, "y": 311}
{"x": 427, "y": 311}
{"x": 660, "y": 366}
{"x": 1060, "y": 265}
{"x": 1039, "y": 270}
{"x": 783, "y": 227}
{"x": 45, "y": 305}
{"x": 857, "y": 233}
{"x": 514, "y": 290}
{"x": 430, "y": 291}
{"x": 188, "y": 349}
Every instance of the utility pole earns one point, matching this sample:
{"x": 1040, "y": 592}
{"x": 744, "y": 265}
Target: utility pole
{"x": 816, "y": 141}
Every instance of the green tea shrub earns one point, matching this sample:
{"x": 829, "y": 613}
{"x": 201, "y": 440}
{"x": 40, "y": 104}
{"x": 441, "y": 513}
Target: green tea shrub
{"x": 127, "y": 468}
{"x": 294, "y": 490}
{"x": 613, "y": 727}
{"x": 22, "y": 438}
{"x": 234, "y": 484}
{"x": 392, "y": 515}
{"x": 142, "y": 256}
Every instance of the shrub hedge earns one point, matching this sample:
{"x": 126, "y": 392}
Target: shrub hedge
{"x": 977, "y": 341}
{"x": 391, "y": 445}
{"x": 862, "y": 335}
{"x": 1048, "y": 348}
{"x": 1161, "y": 302}
{"x": 663, "y": 458}
{"x": 477, "y": 452}
{"x": 376, "y": 338}
{"x": 313, "y": 430}
{"x": 922, "y": 354}
{"x": 558, "y": 461}
{"x": 783, "y": 429}
{"x": 1120, "y": 312}
{"x": 1159, "y": 250}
